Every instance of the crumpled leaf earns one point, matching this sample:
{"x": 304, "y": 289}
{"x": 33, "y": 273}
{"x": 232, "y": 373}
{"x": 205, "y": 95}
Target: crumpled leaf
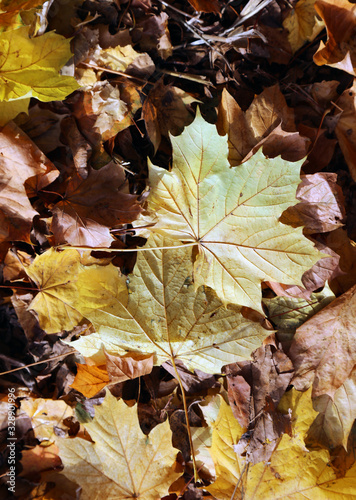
{"x": 339, "y": 52}
{"x": 230, "y": 214}
{"x": 122, "y": 463}
{"x": 267, "y": 376}
{"x": 91, "y": 206}
{"x": 324, "y": 348}
{"x": 63, "y": 281}
{"x": 30, "y": 66}
{"x": 163, "y": 314}
{"x": 302, "y": 24}
{"x": 24, "y": 170}
{"x": 332, "y": 426}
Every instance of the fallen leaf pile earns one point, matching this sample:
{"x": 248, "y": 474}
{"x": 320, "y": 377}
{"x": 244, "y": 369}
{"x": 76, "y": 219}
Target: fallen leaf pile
{"x": 177, "y": 244}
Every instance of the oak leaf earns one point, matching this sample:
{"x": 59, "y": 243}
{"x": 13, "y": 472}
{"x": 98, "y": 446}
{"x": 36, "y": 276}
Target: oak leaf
{"x": 163, "y": 314}
{"x": 122, "y": 463}
{"x": 231, "y": 215}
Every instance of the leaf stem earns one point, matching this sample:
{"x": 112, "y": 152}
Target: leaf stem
{"x": 196, "y": 476}
{"x": 140, "y": 249}
{"x": 39, "y": 362}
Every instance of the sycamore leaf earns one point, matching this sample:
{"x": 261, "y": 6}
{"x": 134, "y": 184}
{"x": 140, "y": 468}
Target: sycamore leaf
{"x": 324, "y": 348}
{"x": 232, "y": 214}
{"x": 292, "y": 472}
{"x": 163, "y": 314}
{"x": 65, "y": 283}
{"x": 122, "y": 463}
{"x": 29, "y": 66}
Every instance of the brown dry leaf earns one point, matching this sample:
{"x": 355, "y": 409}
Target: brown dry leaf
{"x": 206, "y": 5}
{"x": 165, "y": 112}
{"x": 152, "y": 33}
{"x": 324, "y": 348}
{"x": 340, "y": 49}
{"x": 321, "y": 208}
{"x": 332, "y": 426}
{"x": 89, "y": 380}
{"x": 79, "y": 147}
{"x": 345, "y": 129}
{"x": 39, "y": 459}
{"x": 268, "y": 376}
{"x": 128, "y": 367}
{"x": 91, "y": 206}
{"x": 246, "y": 129}
{"x": 302, "y": 24}
{"x": 24, "y": 170}
{"x": 344, "y": 276}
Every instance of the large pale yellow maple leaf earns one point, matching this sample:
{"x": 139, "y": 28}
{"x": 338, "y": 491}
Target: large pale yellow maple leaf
{"x": 163, "y": 314}
{"x": 230, "y": 215}
{"x": 122, "y": 463}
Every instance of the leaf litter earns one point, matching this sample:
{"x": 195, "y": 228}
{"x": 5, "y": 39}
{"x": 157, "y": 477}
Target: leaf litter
{"x": 177, "y": 245}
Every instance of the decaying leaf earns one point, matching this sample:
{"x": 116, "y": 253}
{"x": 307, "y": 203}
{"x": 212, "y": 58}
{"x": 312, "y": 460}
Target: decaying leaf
{"x": 122, "y": 463}
{"x": 163, "y": 314}
{"x": 345, "y": 129}
{"x": 24, "y": 170}
{"x": 268, "y": 122}
{"x": 90, "y": 207}
{"x": 324, "y": 348}
{"x": 302, "y": 24}
{"x": 230, "y": 214}
{"x": 339, "y": 52}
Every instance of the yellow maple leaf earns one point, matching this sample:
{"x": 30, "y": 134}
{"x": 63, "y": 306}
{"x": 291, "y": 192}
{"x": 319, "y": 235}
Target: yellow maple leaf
{"x": 163, "y": 314}
{"x": 122, "y": 463}
{"x": 29, "y": 67}
{"x": 293, "y": 472}
{"x": 66, "y": 285}
{"x": 230, "y": 214}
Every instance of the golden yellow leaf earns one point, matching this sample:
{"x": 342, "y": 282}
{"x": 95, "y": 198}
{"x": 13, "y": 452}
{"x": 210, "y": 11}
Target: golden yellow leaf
{"x": 122, "y": 463}
{"x": 29, "y": 67}
{"x": 66, "y": 286}
{"x": 89, "y": 380}
{"x": 164, "y": 315}
{"x": 231, "y": 215}
{"x": 293, "y": 472}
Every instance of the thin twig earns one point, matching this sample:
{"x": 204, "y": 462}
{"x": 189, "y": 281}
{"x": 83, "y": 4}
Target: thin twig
{"x": 38, "y": 362}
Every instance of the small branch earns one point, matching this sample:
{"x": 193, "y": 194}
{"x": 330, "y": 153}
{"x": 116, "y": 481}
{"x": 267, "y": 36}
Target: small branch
{"x": 39, "y": 362}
